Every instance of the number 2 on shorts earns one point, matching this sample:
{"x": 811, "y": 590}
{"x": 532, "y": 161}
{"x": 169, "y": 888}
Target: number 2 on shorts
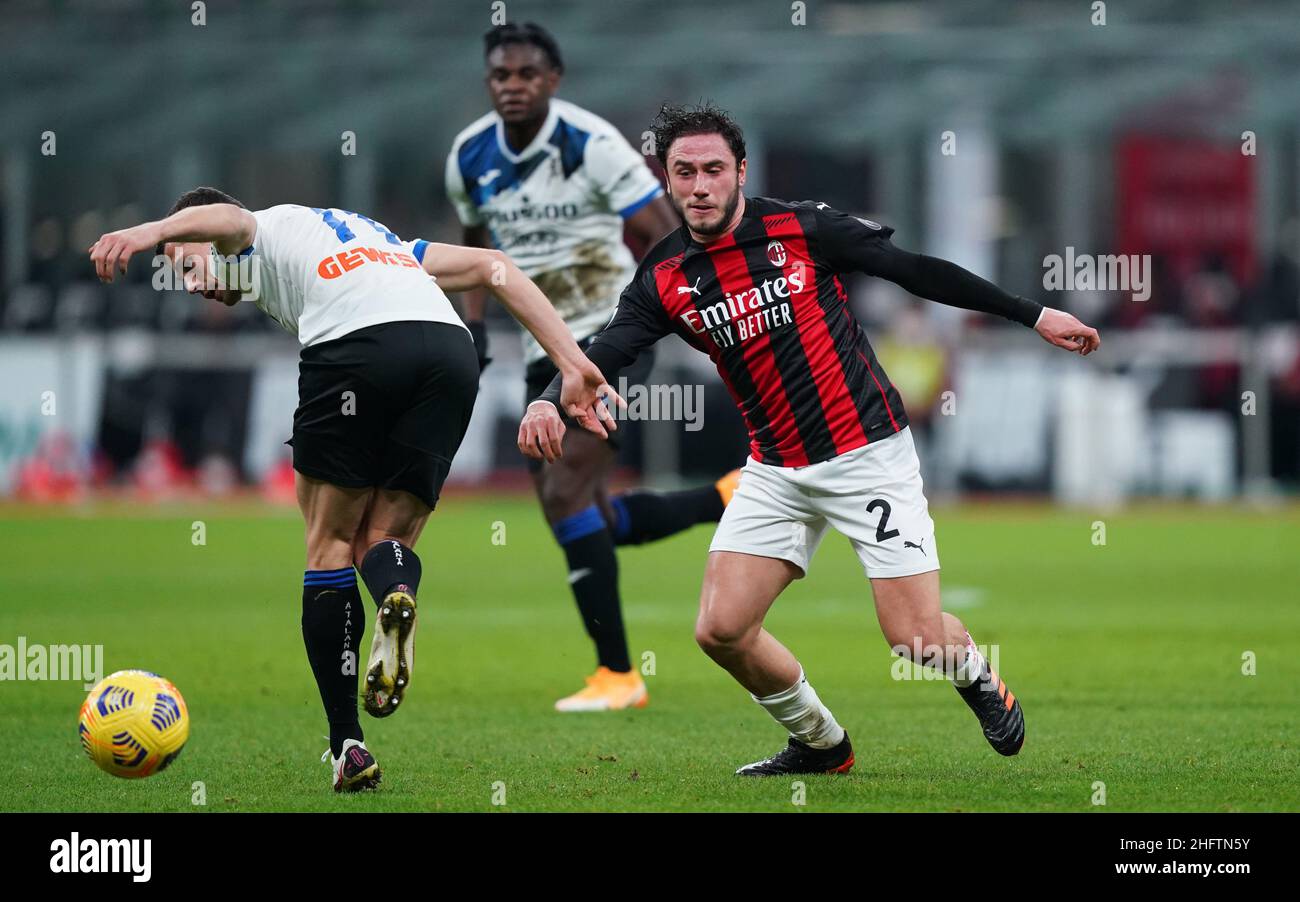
{"x": 881, "y": 534}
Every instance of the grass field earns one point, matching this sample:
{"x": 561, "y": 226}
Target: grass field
{"x": 1127, "y": 658}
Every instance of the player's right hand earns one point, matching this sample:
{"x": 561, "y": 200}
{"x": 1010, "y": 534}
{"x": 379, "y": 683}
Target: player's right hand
{"x": 1065, "y": 331}
{"x": 541, "y": 432}
{"x": 583, "y": 395}
{"x": 113, "y": 250}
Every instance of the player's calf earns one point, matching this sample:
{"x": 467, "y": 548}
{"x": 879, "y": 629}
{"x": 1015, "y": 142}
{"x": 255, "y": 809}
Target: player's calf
{"x": 332, "y": 627}
{"x": 642, "y": 516}
{"x": 925, "y": 646}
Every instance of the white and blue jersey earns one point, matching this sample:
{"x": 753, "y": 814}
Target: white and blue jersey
{"x": 556, "y": 207}
{"x": 324, "y": 273}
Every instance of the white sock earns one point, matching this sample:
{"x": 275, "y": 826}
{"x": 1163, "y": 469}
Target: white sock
{"x": 969, "y": 670}
{"x": 802, "y": 713}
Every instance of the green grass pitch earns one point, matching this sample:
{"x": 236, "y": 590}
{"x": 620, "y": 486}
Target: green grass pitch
{"x": 1127, "y": 658}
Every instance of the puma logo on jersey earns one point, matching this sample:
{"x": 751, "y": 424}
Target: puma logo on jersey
{"x": 690, "y": 289}
{"x": 907, "y": 544}
{"x": 488, "y": 177}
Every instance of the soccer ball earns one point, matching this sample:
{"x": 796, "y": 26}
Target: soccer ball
{"x": 134, "y": 723}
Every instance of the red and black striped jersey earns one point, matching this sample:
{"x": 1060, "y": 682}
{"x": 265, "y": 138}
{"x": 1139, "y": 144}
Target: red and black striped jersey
{"x": 766, "y": 303}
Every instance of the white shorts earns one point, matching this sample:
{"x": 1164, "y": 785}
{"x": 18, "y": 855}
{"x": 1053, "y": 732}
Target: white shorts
{"x": 872, "y": 495}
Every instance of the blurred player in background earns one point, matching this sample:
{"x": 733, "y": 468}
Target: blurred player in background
{"x": 830, "y": 445}
{"x": 553, "y": 186}
{"x": 386, "y": 384}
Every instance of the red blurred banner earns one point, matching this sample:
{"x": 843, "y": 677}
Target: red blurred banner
{"x": 1188, "y": 200}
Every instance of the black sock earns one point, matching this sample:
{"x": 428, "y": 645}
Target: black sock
{"x": 647, "y": 516}
{"x": 387, "y": 564}
{"x": 332, "y": 625}
{"x": 593, "y": 578}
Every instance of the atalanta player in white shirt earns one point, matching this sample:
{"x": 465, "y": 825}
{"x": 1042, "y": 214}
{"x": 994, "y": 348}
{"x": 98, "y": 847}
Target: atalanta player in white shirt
{"x": 387, "y": 381}
{"x": 754, "y": 282}
{"x": 554, "y": 186}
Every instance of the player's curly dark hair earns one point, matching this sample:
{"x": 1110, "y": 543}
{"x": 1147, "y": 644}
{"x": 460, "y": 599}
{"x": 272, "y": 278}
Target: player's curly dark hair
{"x": 675, "y": 122}
{"x": 527, "y": 33}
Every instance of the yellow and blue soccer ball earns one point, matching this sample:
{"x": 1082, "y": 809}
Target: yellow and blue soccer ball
{"x": 134, "y": 723}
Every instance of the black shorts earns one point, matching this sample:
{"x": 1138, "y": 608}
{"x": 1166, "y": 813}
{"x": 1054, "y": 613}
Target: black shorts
{"x": 385, "y": 406}
{"x": 539, "y": 374}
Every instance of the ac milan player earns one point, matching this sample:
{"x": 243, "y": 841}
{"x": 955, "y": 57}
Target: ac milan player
{"x": 755, "y": 283}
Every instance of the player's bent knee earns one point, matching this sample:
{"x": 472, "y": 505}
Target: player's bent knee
{"x": 709, "y": 642}
{"x": 715, "y": 635}
{"x": 563, "y": 498}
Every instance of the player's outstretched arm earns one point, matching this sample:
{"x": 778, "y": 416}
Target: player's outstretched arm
{"x": 947, "y": 283}
{"x": 461, "y": 268}
{"x": 541, "y": 431}
{"x": 637, "y": 323}
{"x": 231, "y": 229}
{"x": 850, "y": 243}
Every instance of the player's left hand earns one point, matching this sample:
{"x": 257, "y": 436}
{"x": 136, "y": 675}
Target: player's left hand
{"x": 541, "y": 432}
{"x": 113, "y": 250}
{"x": 1065, "y": 331}
{"x": 583, "y": 395}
